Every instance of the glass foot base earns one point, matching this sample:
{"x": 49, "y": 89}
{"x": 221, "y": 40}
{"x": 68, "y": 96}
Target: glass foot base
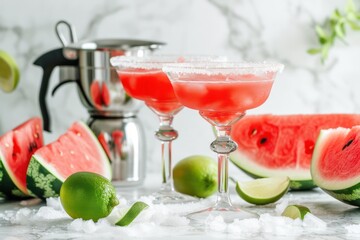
{"x": 228, "y": 214}
{"x": 172, "y": 197}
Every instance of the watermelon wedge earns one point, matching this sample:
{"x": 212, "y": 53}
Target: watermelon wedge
{"x": 282, "y": 145}
{"x": 335, "y": 165}
{"x": 76, "y": 150}
{"x": 16, "y": 149}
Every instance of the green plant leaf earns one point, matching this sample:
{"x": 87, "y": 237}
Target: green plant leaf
{"x": 339, "y": 31}
{"x": 323, "y": 38}
{"x": 353, "y": 25}
{"x": 335, "y": 28}
{"x": 313, "y": 51}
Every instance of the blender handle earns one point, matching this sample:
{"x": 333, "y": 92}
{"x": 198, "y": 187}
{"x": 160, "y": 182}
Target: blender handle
{"x": 48, "y": 62}
{"x": 72, "y": 81}
{"x": 60, "y": 34}
{"x": 42, "y": 98}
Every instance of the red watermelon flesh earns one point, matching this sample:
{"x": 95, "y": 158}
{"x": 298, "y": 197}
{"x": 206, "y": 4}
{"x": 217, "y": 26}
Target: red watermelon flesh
{"x": 16, "y": 149}
{"x": 335, "y": 165}
{"x": 76, "y": 150}
{"x": 271, "y": 145}
{"x": 340, "y": 154}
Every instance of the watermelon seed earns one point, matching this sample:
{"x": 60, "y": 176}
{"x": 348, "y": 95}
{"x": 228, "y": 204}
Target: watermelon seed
{"x": 7, "y": 145}
{"x": 72, "y": 152}
{"x": 253, "y": 132}
{"x": 263, "y": 140}
{"x": 347, "y": 144}
{"x": 36, "y": 135}
{"x": 87, "y": 157}
{"x": 32, "y": 146}
{"x": 61, "y": 153}
{"x": 309, "y": 146}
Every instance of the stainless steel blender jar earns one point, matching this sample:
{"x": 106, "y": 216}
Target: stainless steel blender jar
{"x": 112, "y": 112}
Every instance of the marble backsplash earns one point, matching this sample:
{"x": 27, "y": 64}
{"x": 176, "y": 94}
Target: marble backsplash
{"x": 250, "y": 29}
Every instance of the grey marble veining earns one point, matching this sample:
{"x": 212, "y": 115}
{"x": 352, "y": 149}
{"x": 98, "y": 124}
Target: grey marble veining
{"x": 250, "y": 29}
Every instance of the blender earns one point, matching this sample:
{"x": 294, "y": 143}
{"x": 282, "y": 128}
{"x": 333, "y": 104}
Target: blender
{"x": 112, "y": 113}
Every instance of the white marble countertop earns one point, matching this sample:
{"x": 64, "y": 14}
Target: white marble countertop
{"x": 16, "y": 223}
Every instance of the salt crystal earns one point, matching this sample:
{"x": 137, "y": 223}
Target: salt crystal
{"x": 311, "y": 221}
{"x": 215, "y": 223}
{"x": 353, "y": 229}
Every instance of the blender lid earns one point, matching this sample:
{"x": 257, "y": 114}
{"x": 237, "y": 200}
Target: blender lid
{"x": 111, "y": 44}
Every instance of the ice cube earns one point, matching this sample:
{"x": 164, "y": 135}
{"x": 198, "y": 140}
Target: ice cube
{"x": 80, "y": 225}
{"x": 22, "y": 216}
{"x": 54, "y": 203}
{"x": 353, "y": 229}
{"x": 279, "y": 225}
{"x": 251, "y": 225}
{"x": 280, "y": 207}
{"x": 50, "y": 213}
{"x": 216, "y": 223}
{"x": 311, "y": 221}
{"x": 176, "y": 221}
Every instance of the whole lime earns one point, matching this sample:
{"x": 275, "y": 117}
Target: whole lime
{"x": 88, "y": 195}
{"x": 196, "y": 176}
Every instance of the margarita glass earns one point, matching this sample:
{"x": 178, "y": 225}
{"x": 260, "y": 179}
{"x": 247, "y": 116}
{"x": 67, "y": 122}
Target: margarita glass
{"x": 222, "y": 92}
{"x": 143, "y": 79}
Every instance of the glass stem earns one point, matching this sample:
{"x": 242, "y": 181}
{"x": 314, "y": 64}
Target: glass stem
{"x": 223, "y": 145}
{"x": 223, "y": 199}
{"x": 167, "y": 183}
{"x": 166, "y": 134}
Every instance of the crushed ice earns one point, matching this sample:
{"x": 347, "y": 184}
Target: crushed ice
{"x": 353, "y": 229}
{"x": 161, "y": 220}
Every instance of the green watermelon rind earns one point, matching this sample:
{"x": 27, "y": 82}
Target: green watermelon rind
{"x": 44, "y": 181}
{"x": 41, "y": 181}
{"x": 9, "y": 187}
{"x": 302, "y": 181}
{"x": 349, "y": 195}
{"x": 345, "y": 191}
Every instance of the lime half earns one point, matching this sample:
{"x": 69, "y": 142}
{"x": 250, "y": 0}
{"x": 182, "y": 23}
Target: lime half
{"x": 295, "y": 211}
{"x": 9, "y": 72}
{"x": 131, "y": 214}
{"x": 264, "y": 190}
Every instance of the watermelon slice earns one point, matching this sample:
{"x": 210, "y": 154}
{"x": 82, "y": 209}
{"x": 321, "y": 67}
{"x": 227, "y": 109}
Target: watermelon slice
{"x": 16, "y": 148}
{"x": 282, "y": 145}
{"x": 335, "y": 165}
{"x": 76, "y": 150}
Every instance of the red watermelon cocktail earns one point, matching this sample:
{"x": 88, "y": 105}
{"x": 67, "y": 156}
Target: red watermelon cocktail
{"x": 221, "y": 100}
{"x": 222, "y": 92}
{"x": 143, "y": 79}
{"x": 151, "y": 86}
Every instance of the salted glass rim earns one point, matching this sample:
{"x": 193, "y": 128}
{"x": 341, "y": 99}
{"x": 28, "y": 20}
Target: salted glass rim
{"x": 225, "y": 67}
{"x": 158, "y": 61}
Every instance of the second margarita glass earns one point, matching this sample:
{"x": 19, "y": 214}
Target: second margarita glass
{"x": 222, "y": 92}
